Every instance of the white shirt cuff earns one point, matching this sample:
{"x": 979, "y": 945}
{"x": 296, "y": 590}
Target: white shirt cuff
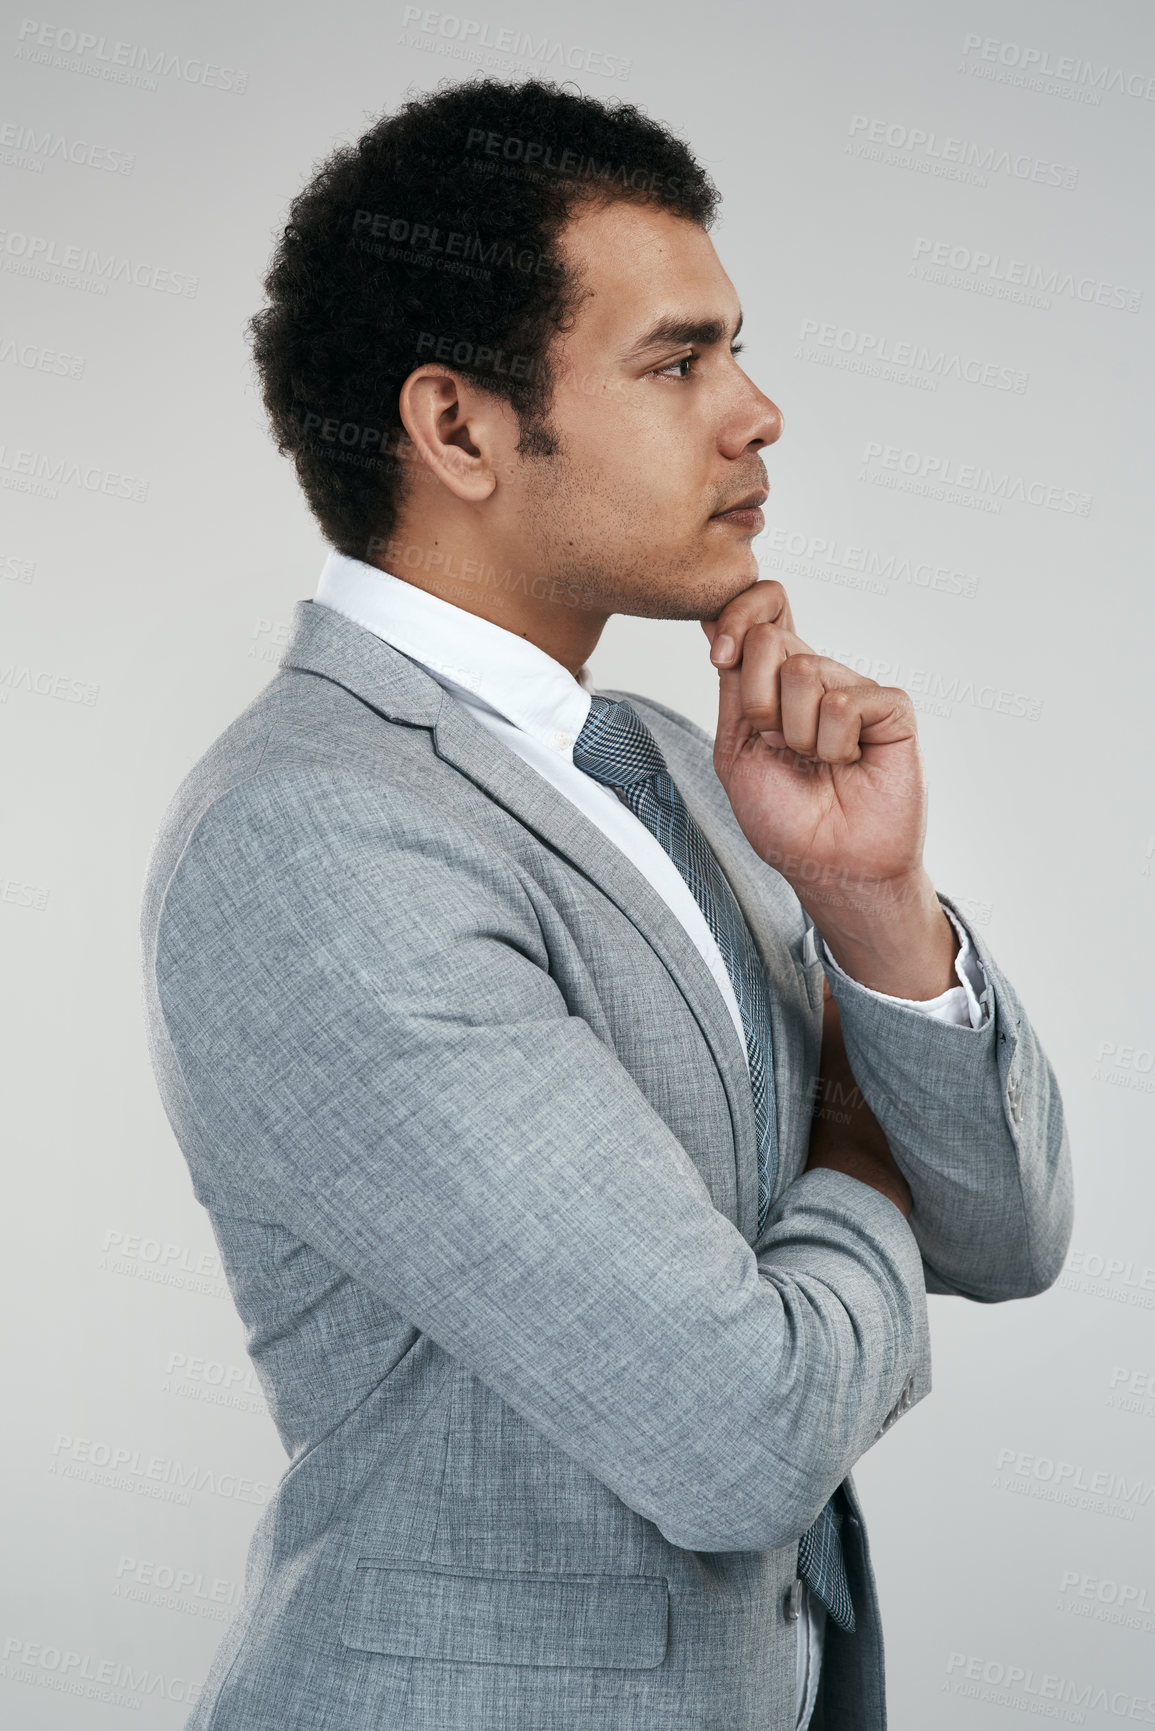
{"x": 968, "y": 1002}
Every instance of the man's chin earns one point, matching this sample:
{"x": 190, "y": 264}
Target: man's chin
{"x": 681, "y": 586}
{"x": 739, "y": 574}
{"x": 702, "y": 591}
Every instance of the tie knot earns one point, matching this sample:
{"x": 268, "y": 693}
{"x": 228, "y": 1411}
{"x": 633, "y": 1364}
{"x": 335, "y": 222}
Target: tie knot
{"x": 615, "y": 746}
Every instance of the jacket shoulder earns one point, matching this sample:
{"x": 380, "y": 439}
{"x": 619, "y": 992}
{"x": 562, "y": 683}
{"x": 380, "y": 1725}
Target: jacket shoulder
{"x": 300, "y": 739}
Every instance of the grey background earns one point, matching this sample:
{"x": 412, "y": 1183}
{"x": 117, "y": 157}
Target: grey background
{"x": 1012, "y": 1514}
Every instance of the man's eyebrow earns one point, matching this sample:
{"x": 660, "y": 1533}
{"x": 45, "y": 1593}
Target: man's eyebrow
{"x": 676, "y": 333}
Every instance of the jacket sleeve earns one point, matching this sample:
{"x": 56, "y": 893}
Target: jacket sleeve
{"x": 378, "y": 1059}
{"x": 974, "y": 1119}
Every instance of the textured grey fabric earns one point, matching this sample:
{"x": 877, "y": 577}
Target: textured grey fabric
{"x": 475, "y": 1133}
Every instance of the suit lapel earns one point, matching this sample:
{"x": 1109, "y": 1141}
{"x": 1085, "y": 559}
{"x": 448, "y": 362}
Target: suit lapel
{"x": 325, "y": 642}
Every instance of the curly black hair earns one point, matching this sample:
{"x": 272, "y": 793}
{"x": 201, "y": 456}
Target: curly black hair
{"x": 431, "y": 237}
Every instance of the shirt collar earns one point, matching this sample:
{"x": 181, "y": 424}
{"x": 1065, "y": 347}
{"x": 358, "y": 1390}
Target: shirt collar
{"x": 477, "y": 661}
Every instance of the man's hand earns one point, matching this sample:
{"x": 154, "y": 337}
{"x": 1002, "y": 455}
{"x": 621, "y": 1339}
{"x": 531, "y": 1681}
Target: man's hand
{"x": 824, "y": 771}
{"x": 844, "y": 1133}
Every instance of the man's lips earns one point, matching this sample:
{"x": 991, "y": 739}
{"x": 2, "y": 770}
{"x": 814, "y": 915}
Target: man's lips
{"x": 745, "y": 513}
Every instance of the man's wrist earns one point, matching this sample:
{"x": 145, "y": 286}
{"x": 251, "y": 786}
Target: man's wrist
{"x": 894, "y": 937}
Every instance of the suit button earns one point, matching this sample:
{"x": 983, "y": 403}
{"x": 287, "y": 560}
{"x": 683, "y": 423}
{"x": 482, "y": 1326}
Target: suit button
{"x": 793, "y": 1601}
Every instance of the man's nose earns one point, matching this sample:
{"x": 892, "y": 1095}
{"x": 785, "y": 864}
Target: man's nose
{"x": 756, "y": 422}
{"x": 771, "y": 420}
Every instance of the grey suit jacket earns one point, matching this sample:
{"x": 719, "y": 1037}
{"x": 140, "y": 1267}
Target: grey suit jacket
{"x": 476, "y": 1136}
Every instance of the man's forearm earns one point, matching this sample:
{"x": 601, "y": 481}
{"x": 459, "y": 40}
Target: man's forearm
{"x": 845, "y": 1136}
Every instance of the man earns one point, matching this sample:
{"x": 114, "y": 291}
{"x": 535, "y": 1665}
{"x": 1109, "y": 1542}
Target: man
{"x": 491, "y": 1011}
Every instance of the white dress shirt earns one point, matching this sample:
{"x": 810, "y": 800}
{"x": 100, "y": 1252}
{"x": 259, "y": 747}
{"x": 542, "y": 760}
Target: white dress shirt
{"x": 537, "y": 707}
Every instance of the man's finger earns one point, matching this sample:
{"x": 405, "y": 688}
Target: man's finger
{"x": 765, "y": 602}
{"x": 779, "y": 684}
{"x": 835, "y": 723}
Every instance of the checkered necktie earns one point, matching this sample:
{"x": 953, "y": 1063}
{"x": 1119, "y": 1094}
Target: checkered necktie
{"x": 616, "y": 747}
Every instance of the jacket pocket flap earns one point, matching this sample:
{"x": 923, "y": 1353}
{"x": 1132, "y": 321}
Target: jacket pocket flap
{"x": 431, "y": 1612}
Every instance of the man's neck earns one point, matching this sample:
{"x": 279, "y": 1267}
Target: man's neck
{"x": 485, "y": 582}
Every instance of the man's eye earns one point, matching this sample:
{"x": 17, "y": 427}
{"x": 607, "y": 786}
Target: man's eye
{"x": 687, "y": 361}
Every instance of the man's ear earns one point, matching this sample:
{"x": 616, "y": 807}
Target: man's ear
{"x": 458, "y": 432}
